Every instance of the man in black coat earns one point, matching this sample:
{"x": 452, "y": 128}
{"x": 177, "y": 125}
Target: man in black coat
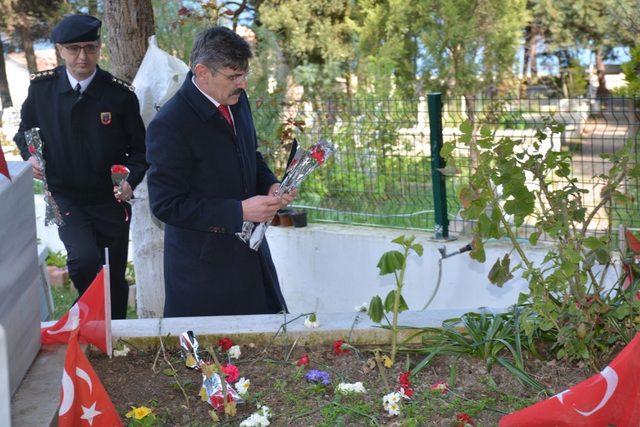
{"x": 206, "y": 176}
{"x": 89, "y": 121}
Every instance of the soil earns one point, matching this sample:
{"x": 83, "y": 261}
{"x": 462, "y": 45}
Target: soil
{"x": 279, "y": 384}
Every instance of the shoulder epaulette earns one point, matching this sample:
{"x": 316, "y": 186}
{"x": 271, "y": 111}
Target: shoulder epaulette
{"x": 42, "y": 75}
{"x": 118, "y": 82}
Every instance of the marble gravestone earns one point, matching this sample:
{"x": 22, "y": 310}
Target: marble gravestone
{"x": 5, "y": 395}
{"x": 20, "y": 277}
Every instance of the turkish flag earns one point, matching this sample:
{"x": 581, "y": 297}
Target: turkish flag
{"x": 4, "y": 169}
{"x": 634, "y": 245}
{"x": 89, "y": 315}
{"x": 83, "y": 399}
{"x": 611, "y": 397}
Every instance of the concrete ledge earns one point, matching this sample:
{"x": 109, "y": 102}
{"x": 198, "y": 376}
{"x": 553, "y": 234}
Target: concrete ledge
{"x": 35, "y": 403}
{"x": 260, "y": 329}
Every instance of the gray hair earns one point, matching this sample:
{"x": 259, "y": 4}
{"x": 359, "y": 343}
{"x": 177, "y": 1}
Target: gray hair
{"x": 220, "y": 47}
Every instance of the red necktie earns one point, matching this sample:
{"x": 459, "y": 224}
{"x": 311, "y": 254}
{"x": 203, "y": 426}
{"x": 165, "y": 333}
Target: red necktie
{"x": 224, "y": 110}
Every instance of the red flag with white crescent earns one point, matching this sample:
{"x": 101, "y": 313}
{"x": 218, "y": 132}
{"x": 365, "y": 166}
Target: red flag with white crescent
{"x": 4, "y": 169}
{"x": 611, "y": 397}
{"x": 83, "y": 399}
{"x": 88, "y": 315}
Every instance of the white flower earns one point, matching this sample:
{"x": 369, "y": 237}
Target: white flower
{"x": 255, "y": 420}
{"x": 258, "y": 419}
{"x": 391, "y": 403}
{"x": 393, "y": 409}
{"x": 118, "y": 353}
{"x": 362, "y": 308}
{"x": 242, "y": 386}
{"x": 234, "y": 352}
{"x": 311, "y": 321}
{"x": 348, "y": 388}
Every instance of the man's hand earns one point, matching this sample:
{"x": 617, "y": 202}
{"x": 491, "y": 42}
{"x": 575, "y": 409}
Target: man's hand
{"x": 36, "y": 167}
{"x": 123, "y": 193}
{"x": 260, "y": 208}
{"x": 285, "y": 198}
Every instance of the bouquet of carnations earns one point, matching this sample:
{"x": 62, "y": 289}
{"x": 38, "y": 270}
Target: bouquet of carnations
{"x": 301, "y": 165}
{"x": 119, "y": 174}
{"x": 36, "y": 148}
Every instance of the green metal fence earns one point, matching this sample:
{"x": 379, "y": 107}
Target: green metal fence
{"x": 383, "y": 172}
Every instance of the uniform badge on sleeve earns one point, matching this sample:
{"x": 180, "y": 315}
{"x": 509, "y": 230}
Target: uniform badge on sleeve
{"x": 105, "y": 118}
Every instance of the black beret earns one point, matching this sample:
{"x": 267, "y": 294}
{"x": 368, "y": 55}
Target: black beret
{"x": 76, "y": 28}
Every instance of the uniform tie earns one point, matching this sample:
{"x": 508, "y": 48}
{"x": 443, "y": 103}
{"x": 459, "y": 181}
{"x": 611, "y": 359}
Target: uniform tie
{"x": 224, "y": 110}
{"x": 76, "y": 90}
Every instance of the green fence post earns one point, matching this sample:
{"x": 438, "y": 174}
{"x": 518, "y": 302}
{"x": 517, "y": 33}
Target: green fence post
{"x": 434, "y": 102}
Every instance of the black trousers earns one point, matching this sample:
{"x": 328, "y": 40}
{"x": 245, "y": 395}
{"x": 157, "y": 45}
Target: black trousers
{"x": 89, "y": 228}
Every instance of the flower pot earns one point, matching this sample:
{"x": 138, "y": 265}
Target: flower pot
{"x": 299, "y": 218}
{"x": 284, "y": 218}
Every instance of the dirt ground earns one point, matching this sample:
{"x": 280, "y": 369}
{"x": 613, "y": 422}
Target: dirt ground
{"x": 279, "y": 384}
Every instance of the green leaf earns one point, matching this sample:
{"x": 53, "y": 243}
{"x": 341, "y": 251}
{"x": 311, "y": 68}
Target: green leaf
{"x": 485, "y": 131}
{"x": 389, "y": 300}
{"x": 390, "y": 262}
{"x": 447, "y": 149}
{"x": 477, "y": 252}
{"x": 466, "y": 127}
{"x": 603, "y": 256}
{"x": 593, "y": 243}
{"x": 533, "y": 238}
{"x": 375, "y": 309}
{"x": 500, "y": 273}
{"x": 418, "y": 249}
{"x": 402, "y": 305}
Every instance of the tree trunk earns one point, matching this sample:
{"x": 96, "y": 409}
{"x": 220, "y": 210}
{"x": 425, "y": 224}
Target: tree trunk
{"x": 5, "y": 95}
{"x": 27, "y": 46}
{"x": 602, "y": 91}
{"x": 528, "y": 35}
{"x": 130, "y": 24}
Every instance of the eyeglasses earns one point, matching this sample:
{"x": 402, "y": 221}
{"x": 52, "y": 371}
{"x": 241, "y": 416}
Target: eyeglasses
{"x": 236, "y": 78}
{"x": 89, "y": 49}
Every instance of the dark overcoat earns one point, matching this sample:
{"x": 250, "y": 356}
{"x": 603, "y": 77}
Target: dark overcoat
{"x": 199, "y": 173}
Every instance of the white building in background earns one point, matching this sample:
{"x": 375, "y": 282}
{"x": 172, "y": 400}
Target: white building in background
{"x": 613, "y": 77}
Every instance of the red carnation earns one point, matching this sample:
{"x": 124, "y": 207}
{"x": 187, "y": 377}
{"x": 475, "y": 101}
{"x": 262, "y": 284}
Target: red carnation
{"x": 225, "y": 343}
{"x": 318, "y": 154}
{"x": 464, "y": 419}
{"x": 339, "y": 348}
{"x": 232, "y": 372}
{"x": 32, "y": 149}
{"x": 119, "y": 169}
{"x": 303, "y": 361}
{"x": 404, "y": 379}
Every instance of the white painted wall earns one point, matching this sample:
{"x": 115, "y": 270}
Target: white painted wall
{"x": 332, "y": 268}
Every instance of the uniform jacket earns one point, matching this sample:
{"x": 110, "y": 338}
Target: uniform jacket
{"x": 83, "y": 137}
{"x": 199, "y": 174}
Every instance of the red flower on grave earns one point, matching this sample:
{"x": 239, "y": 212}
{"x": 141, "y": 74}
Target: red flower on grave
{"x": 318, "y": 154}
{"x": 232, "y": 372}
{"x": 440, "y": 387}
{"x": 405, "y": 384}
{"x": 340, "y": 347}
{"x": 225, "y": 343}
{"x": 464, "y": 419}
{"x": 303, "y": 361}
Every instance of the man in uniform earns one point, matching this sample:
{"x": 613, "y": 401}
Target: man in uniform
{"x": 89, "y": 121}
{"x": 206, "y": 176}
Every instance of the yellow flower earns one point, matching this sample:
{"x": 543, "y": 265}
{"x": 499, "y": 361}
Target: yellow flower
{"x": 138, "y": 413}
{"x": 386, "y": 361}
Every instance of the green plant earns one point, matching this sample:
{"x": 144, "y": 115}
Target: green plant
{"x": 513, "y": 185}
{"x": 57, "y": 259}
{"x": 484, "y": 335}
{"x": 394, "y": 262}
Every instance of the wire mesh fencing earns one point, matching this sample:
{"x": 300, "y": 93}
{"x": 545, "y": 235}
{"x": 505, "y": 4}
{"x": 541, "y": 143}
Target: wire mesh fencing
{"x": 381, "y": 170}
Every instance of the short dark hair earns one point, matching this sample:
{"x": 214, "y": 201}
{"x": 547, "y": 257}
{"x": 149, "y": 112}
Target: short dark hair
{"x": 220, "y": 47}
